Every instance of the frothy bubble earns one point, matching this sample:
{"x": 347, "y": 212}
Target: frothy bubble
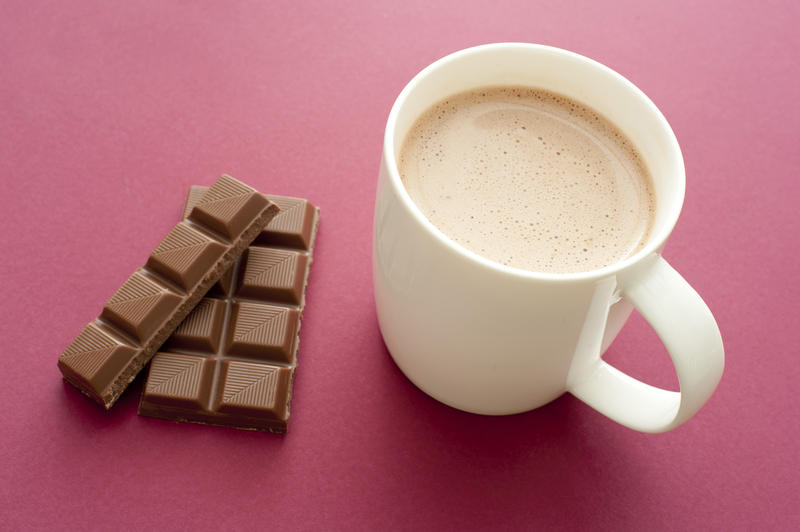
{"x": 530, "y": 179}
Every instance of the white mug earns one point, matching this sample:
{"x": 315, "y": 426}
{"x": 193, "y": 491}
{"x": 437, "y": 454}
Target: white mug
{"x": 492, "y": 339}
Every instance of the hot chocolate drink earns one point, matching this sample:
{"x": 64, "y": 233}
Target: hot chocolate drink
{"x": 530, "y": 179}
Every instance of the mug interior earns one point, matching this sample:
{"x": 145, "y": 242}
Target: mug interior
{"x": 570, "y": 74}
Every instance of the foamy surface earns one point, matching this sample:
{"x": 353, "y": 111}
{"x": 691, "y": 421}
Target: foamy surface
{"x": 530, "y": 179}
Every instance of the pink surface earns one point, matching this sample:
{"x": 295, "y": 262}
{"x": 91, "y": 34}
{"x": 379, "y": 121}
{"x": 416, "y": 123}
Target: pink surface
{"x": 109, "y": 111}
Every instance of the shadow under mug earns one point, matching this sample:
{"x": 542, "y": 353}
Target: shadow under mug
{"x": 493, "y": 339}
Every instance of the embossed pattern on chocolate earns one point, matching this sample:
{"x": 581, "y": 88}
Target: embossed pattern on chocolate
{"x": 232, "y": 360}
{"x": 106, "y": 356}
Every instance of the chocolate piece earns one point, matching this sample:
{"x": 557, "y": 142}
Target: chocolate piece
{"x": 232, "y": 360}
{"x": 110, "y": 351}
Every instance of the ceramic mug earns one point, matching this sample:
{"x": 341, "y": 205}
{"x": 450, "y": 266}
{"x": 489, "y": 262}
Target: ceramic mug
{"x": 492, "y": 339}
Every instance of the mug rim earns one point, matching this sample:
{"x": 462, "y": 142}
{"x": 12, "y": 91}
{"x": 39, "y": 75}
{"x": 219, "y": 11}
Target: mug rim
{"x": 656, "y": 240}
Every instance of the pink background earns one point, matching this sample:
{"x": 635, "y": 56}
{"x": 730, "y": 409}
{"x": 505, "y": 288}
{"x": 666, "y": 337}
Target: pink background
{"x": 110, "y": 110}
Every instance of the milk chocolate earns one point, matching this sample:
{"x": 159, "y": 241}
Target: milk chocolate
{"x": 232, "y": 361}
{"x": 111, "y": 350}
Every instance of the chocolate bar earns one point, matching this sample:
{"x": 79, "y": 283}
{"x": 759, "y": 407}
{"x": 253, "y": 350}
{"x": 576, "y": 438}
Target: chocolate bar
{"x": 111, "y": 350}
{"x": 232, "y": 361}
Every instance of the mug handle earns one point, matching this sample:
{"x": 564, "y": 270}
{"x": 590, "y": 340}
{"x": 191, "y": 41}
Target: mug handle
{"x": 689, "y": 332}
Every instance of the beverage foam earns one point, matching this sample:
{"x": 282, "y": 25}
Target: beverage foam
{"x": 530, "y": 179}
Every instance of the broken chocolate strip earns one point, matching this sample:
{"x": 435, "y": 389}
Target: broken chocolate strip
{"x": 232, "y": 361}
{"x": 106, "y": 356}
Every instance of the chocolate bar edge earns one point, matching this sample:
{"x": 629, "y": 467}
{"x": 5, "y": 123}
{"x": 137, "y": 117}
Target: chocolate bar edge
{"x": 311, "y": 242}
{"x": 184, "y": 415}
